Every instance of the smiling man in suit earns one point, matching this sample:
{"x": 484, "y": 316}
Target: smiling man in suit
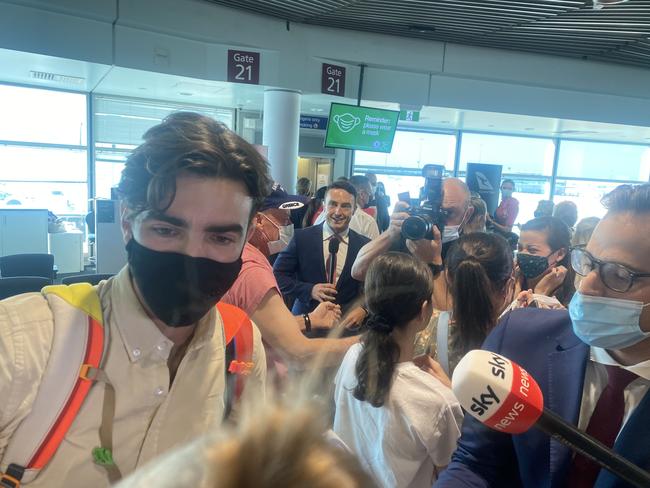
{"x": 592, "y": 363}
{"x": 303, "y": 268}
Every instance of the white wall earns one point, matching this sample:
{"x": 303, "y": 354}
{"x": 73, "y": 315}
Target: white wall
{"x": 191, "y": 38}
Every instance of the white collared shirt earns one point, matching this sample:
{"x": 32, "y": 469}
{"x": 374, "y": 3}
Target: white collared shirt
{"x": 596, "y": 380}
{"x": 361, "y": 223}
{"x": 342, "y": 255}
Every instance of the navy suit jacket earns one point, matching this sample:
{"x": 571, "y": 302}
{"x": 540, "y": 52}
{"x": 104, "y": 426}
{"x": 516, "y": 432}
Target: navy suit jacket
{"x": 543, "y": 342}
{"x": 301, "y": 266}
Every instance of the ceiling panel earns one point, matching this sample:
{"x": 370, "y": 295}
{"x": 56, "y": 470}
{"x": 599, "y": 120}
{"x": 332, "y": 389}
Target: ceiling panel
{"x": 617, "y": 33}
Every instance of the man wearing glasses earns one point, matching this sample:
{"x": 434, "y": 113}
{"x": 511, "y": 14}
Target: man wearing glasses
{"x": 592, "y": 363}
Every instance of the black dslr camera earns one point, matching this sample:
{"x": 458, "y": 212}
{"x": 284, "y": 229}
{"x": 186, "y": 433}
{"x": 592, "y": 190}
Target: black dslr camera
{"x": 422, "y": 219}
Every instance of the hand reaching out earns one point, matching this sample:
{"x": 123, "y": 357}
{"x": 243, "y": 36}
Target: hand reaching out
{"x": 354, "y": 318}
{"x": 326, "y": 315}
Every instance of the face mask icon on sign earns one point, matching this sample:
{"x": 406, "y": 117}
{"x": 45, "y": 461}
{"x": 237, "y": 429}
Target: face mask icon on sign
{"x": 346, "y": 122}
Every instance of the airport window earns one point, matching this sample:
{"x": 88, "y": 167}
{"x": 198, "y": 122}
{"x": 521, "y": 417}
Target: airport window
{"x": 43, "y": 153}
{"x": 411, "y": 151}
{"x": 400, "y": 171}
{"x": 604, "y": 161}
{"x": 526, "y": 160}
{"x": 586, "y": 194}
{"x": 42, "y": 116}
{"x": 119, "y": 124}
{"x": 589, "y": 170}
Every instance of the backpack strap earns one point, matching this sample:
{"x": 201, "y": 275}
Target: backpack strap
{"x": 78, "y": 347}
{"x": 238, "y": 332}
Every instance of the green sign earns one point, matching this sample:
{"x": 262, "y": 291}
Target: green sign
{"x": 410, "y": 115}
{"x": 362, "y": 128}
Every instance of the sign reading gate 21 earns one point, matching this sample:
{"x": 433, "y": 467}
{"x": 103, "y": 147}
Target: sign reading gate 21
{"x": 363, "y": 128}
{"x": 243, "y": 67}
{"x": 333, "y": 80}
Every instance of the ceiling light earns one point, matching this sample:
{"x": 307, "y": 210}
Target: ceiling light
{"x": 57, "y": 78}
{"x": 598, "y": 4}
{"x": 422, "y": 29}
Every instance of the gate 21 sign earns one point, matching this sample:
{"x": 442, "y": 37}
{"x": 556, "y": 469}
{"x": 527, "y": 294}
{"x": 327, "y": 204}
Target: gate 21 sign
{"x": 244, "y": 67}
{"x": 333, "y": 80}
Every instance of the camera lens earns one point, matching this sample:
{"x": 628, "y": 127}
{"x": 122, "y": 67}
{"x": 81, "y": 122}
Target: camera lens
{"x": 417, "y": 227}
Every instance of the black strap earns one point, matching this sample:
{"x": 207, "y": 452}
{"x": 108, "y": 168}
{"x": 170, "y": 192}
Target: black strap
{"x": 229, "y": 394}
{"x": 14, "y": 472}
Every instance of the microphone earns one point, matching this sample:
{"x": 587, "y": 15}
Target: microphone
{"x": 503, "y": 396}
{"x": 334, "y": 244}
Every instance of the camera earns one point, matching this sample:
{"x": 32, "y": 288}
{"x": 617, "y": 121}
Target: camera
{"x": 419, "y": 224}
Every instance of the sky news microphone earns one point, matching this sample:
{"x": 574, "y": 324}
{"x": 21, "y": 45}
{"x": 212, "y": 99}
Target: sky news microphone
{"x": 503, "y": 396}
{"x": 333, "y": 249}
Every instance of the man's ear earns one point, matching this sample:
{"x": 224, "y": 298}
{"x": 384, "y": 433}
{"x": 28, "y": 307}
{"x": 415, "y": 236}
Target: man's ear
{"x": 255, "y": 222}
{"x": 126, "y": 221}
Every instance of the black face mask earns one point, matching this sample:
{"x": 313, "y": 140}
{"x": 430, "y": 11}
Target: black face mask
{"x": 179, "y": 289}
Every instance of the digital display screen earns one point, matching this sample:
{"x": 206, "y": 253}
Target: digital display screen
{"x": 362, "y": 128}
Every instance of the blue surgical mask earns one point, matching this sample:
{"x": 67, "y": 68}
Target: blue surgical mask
{"x": 609, "y": 323}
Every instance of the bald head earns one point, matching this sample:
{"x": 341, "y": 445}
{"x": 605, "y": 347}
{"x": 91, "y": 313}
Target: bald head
{"x": 456, "y": 201}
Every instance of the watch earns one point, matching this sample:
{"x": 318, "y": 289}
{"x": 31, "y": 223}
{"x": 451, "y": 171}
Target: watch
{"x": 436, "y": 269}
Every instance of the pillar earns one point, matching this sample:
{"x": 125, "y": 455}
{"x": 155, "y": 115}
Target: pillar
{"x": 280, "y": 134}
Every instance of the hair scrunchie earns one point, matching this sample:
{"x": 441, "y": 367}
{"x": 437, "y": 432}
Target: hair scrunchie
{"x": 378, "y": 324}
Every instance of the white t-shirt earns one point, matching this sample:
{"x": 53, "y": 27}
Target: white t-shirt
{"x": 416, "y": 429}
{"x": 361, "y": 223}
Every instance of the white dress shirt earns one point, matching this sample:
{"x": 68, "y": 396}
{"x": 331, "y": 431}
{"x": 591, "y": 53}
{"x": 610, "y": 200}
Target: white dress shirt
{"x": 361, "y": 223}
{"x": 596, "y": 380}
{"x": 343, "y": 249}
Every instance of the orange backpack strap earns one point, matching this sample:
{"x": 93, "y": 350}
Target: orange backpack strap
{"x": 76, "y": 355}
{"x": 238, "y": 332}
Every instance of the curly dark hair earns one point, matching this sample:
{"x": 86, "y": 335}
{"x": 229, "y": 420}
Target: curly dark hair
{"x": 187, "y": 142}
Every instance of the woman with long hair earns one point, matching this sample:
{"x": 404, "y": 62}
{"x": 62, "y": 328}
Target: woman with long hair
{"x": 544, "y": 259}
{"x": 480, "y": 286}
{"x": 314, "y": 208}
{"x": 400, "y": 419}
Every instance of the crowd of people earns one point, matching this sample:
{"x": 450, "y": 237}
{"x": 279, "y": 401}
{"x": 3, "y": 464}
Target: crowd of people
{"x": 262, "y": 338}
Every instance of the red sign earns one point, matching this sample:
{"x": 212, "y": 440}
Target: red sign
{"x": 244, "y": 67}
{"x": 333, "y": 80}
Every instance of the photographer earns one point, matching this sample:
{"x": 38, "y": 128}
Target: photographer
{"x": 457, "y": 210}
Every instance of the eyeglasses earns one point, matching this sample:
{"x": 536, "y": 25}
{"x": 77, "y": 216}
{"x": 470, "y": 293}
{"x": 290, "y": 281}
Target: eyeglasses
{"x": 613, "y": 275}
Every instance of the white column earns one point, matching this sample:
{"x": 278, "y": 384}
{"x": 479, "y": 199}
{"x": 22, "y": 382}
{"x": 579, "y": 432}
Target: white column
{"x": 280, "y": 134}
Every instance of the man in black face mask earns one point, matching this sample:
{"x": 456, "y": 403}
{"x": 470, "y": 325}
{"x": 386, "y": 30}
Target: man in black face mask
{"x": 189, "y": 193}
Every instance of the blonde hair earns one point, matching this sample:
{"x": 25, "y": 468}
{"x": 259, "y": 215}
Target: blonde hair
{"x": 282, "y": 447}
{"x": 273, "y": 439}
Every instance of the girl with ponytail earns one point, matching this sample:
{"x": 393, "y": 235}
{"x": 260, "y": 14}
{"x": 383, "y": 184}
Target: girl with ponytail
{"x": 480, "y": 286}
{"x": 400, "y": 419}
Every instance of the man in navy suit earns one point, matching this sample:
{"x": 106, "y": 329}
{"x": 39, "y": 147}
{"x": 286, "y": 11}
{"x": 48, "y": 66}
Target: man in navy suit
{"x": 302, "y": 269}
{"x": 592, "y": 363}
